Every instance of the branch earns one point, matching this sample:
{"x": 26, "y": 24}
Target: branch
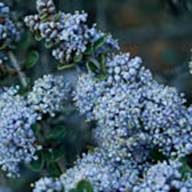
{"x": 15, "y": 64}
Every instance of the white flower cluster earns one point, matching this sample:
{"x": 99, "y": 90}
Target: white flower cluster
{"x": 8, "y": 32}
{"x": 135, "y": 114}
{"x": 106, "y": 174}
{"x": 130, "y": 105}
{"x": 19, "y": 113}
{"x": 47, "y": 94}
{"x": 48, "y": 184}
{"x": 164, "y": 177}
{"x": 16, "y": 136}
{"x": 67, "y": 34}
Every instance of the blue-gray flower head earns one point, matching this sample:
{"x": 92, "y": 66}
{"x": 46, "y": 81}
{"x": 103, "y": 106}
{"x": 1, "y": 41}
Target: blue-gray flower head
{"x": 16, "y": 136}
{"x": 48, "y": 184}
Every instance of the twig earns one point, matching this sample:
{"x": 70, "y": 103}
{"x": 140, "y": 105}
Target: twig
{"x": 15, "y": 64}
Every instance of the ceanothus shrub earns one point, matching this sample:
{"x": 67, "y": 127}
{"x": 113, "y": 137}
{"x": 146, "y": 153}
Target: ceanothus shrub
{"x": 141, "y": 129}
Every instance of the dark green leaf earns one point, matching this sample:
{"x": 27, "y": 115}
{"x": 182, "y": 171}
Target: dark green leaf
{"x": 54, "y": 169}
{"x": 78, "y": 58}
{"x": 37, "y": 130}
{"x": 3, "y": 46}
{"x": 101, "y": 77}
{"x": 99, "y": 43}
{"x": 58, "y": 16}
{"x": 25, "y": 41}
{"x": 91, "y": 67}
{"x": 58, "y": 154}
{"x": 89, "y": 50}
{"x": 84, "y": 186}
{"x": 56, "y": 133}
{"x": 102, "y": 63}
{"x": 32, "y": 59}
{"x": 95, "y": 62}
{"x": 38, "y": 37}
{"x": 48, "y": 44}
{"x": 185, "y": 168}
{"x": 157, "y": 155}
{"x": 37, "y": 165}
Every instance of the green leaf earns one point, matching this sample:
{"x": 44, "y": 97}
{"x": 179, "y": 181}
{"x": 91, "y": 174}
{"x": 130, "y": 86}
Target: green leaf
{"x": 185, "y": 168}
{"x": 95, "y": 62}
{"x": 64, "y": 66}
{"x": 100, "y": 42}
{"x": 58, "y": 154}
{"x": 91, "y": 67}
{"x": 54, "y": 169}
{"x": 58, "y": 16}
{"x": 25, "y": 41}
{"x": 89, "y": 50}
{"x": 84, "y": 186}
{"x": 38, "y": 165}
{"x": 56, "y": 133}
{"x": 37, "y": 130}
{"x": 44, "y": 17}
{"x": 102, "y": 63}
{"x": 157, "y": 155}
{"x": 3, "y": 46}
{"x": 38, "y": 36}
{"x": 101, "y": 77}
{"x": 48, "y": 44}
{"x": 31, "y": 60}
{"x": 78, "y": 58}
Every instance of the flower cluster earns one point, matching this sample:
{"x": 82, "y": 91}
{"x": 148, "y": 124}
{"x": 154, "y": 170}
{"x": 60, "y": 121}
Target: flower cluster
{"x": 8, "y": 32}
{"x": 19, "y": 113}
{"x": 164, "y": 177}
{"x": 47, "y": 94}
{"x": 16, "y": 135}
{"x": 105, "y": 173}
{"x": 135, "y": 115}
{"x": 68, "y": 35}
{"x": 131, "y": 105}
{"x": 48, "y": 184}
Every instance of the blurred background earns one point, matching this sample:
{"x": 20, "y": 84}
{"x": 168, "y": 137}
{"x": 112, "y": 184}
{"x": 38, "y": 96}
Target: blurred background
{"x": 160, "y": 31}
